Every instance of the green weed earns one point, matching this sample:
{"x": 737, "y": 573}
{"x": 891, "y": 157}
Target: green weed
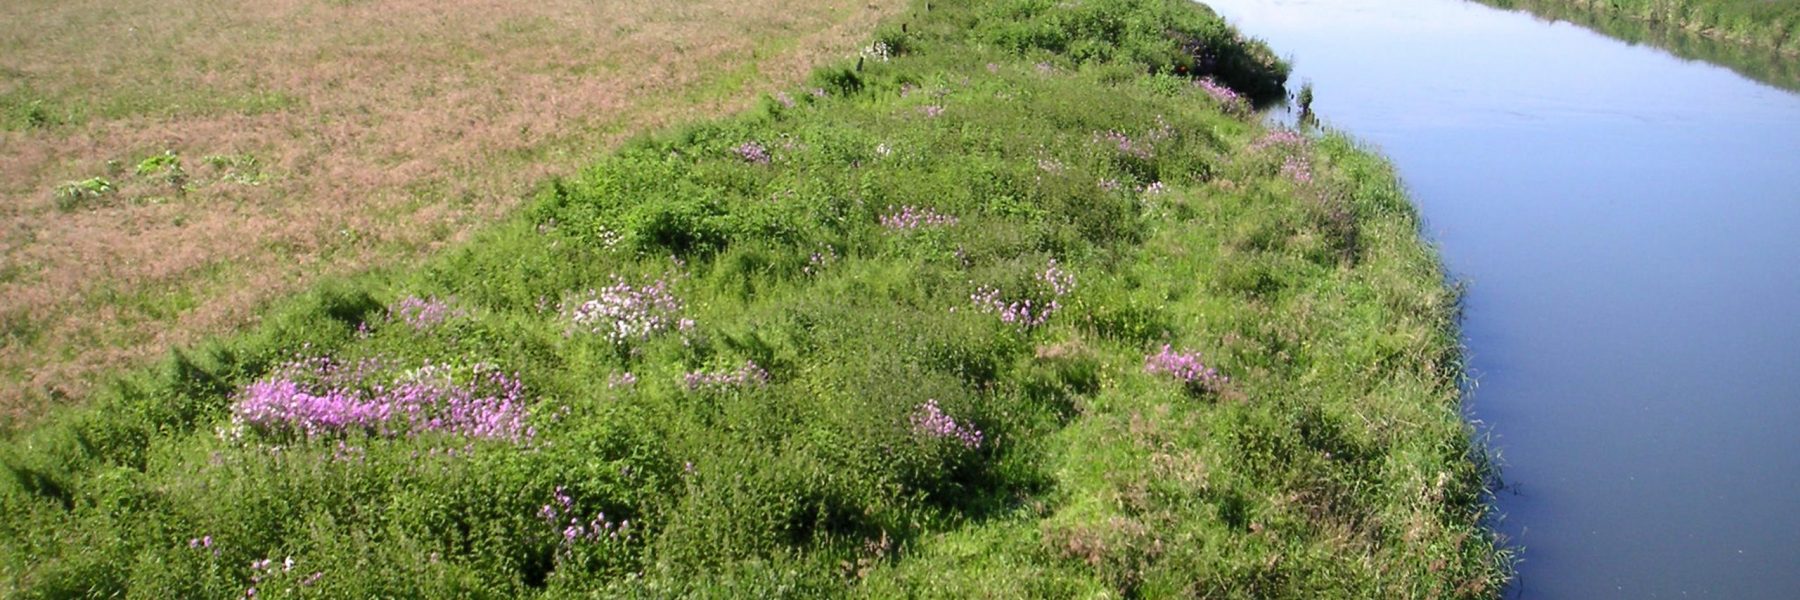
{"x": 72, "y": 195}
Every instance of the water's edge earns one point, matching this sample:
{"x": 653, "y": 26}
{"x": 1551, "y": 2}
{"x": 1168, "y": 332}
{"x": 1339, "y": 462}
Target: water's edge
{"x": 1755, "y": 62}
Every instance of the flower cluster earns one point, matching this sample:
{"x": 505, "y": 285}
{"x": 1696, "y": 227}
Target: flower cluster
{"x": 623, "y": 313}
{"x": 929, "y": 420}
{"x": 1024, "y": 313}
{"x": 819, "y": 260}
{"x": 1224, "y": 95}
{"x": 1297, "y": 169}
{"x": 577, "y": 529}
{"x": 1109, "y": 184}
{"x": 1061, "y": 282}
{"x": 204, "y": 542}
{"x": 752, "y": 152}
{"x": 1028, "y": 313}
{"x": 622, "y": 380}
{"x": 1279, "y": 138}
{"x": 933, "y": 110}
{"x": 1153, "y": 188}
{"x": 1123, "y": 144}
{"x": 748, "y": 375}
{"x": 295, "y": 402}
{"x": 423, "y": 313}
{"x": 1185, "y": 366}
{"x": 909, "y": 217}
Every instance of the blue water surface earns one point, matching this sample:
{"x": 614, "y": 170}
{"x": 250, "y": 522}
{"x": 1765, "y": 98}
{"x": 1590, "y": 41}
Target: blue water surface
{"x": 1628, "y": 225}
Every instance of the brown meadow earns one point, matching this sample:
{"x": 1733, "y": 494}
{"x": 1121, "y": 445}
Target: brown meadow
{"x": 319, "y": 137}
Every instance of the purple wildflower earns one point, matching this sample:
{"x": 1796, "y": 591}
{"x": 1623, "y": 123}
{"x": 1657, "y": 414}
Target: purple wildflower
{"x": 622, "y": 380}
{"x": 1154, "y": 188}
{"x": 930, "y": 421}
{"x": 423, "y": 313}
{"x": 909, "y": 218}
{"x": 1225, "y": 96}
{"x": 1298, "y": 169}
{"x": 490, "y": 405}
{"x": 1109, "y": 184}
{"x": 1186, "y": 367}
{"x": 1123, "y": 144}
{"x": 1279, "y": 138}
{"x": 748, "y": 375}
{"x": 933, "y": 110}
{"x": 1028, "y": 312}
{"x": 1061, "y": 282}
{"x": 752, "y": 152}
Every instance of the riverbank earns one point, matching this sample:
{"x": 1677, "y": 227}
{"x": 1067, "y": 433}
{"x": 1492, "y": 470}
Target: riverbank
{"x": 1755, "y": 61}
{"x": 1013, "y": 305}
{"x": 1772, "y": 26}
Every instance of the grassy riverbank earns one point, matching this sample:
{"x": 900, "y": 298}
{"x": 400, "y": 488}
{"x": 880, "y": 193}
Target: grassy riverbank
{"x": 1757, "y": 61}
{"x": 1011, "y": 306}
{"x": 1772, "y": 25}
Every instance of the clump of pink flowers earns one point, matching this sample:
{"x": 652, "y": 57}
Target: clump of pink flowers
{"x": 1123, "y": 143}
{"x": 1061, "y": 282}
{"x": 423, "y": 313}
{"x": 562, "y": 513}
{"x": 748, "y": 375}
{"x": 1297, "y": 169}
{"x": 1219, "y": 92}
{"x": 934, "y": 110}
{"x": 908, "y": 218}
{"x": 929, "y": 420}
{"x": 820, "y": 259}
{"x": 752, "y": 152}
{"x": 1279, "y": 138}
{"x": 312, "y": 399}
{"x": 623, "y": 313}
{"x": 1186, "y": 367}
{"x": 1028, "y": 312}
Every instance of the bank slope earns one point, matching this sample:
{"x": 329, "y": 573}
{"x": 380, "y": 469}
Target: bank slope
{"x": 1024, "y": 302}
{"x": 1758, "y": 40}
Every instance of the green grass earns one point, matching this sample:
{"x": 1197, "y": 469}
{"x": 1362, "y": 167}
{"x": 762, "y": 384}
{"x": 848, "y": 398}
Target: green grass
{"x": 1334, "y": 463}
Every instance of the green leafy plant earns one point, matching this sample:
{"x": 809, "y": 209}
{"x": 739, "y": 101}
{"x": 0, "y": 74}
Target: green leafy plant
{"x": 165, "y": 168}
{"x": 76, "y": 194}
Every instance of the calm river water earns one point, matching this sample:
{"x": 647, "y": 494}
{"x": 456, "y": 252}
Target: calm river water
{"x": 1628, "y": 225}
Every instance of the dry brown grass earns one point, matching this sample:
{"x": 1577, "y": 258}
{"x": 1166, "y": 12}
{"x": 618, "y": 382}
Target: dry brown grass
{"x": 384, "y": 129}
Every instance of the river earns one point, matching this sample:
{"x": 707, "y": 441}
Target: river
{"x": 1627, "y": 224}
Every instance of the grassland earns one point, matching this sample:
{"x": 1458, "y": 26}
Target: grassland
{"x": 317, "y": 137}
{"x": 1769, "y": 25}
{"x": 1023, "y": 302}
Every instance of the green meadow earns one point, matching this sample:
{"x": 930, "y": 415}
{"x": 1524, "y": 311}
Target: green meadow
{"x": 1026, "y": 301}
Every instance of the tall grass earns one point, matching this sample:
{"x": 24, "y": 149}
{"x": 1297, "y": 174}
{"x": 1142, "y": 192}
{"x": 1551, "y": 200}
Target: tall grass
{"x": 1012, "y": 306}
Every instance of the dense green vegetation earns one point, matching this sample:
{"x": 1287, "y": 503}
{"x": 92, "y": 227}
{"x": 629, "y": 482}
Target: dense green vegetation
{"x": 1013, "y": 306}
{"x": 1773, "y": 25}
